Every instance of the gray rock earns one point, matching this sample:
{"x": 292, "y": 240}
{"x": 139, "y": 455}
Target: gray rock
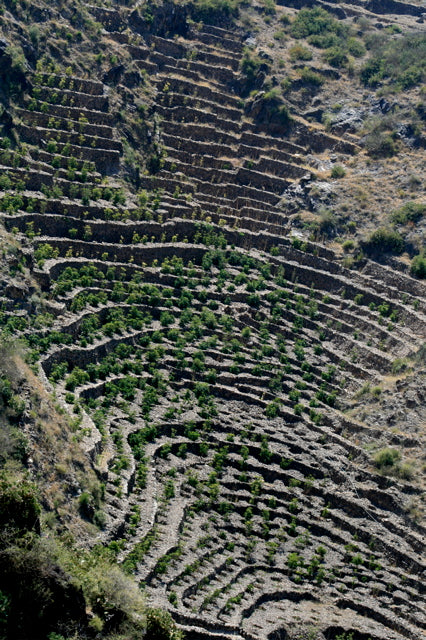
{"x": 348, "y": 119}
{"x": 250, "y": 41}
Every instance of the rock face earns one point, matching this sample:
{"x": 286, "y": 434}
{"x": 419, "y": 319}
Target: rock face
{"x": 214, "y": 352}
{"x": 396, "y": 8}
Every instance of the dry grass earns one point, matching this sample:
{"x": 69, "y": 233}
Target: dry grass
{"x": 56, "y": 460}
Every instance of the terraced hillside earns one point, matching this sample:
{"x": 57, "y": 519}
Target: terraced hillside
{"x": 220, "y": 366}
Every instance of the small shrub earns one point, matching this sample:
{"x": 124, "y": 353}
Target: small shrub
{"x": 380, "y": 145}
{"x": 338, "y": 171}
{"x": 99, "y": 519}
{"x": 269, "y": 7}
{"x": 335, "y": 57}
{"x": 386, "y": 458}
{"x": 409, "y": 212}
{"x": 274, "y": 111}
{"x": 250, "y": 66}
{"x": 160, "y": 626}
{"x": 19, "y": 507}
{"x": 384, "y": 241}
{"x": 299, "y": 52}
{"x": 356, "y": 47}
{"x": 213, "y": 11}
{"x": 280, "y": 36}
{"x": 348, "y": 245}
{"x": 272, "y": 410}
{"x": 418, "y": 267}
{"x": 405, "y": 471}
{"x": 310, "y": 77}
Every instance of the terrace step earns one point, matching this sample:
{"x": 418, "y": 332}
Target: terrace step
{"x": 192, "y": 115}
{"x": 42, "y": 120}
{"x": 226, "y": 350}
{"x": 75, "y": 113}
{"x": 73, "y": 99}
{"x": 172, "y": 99}
{"x": 187, "y": 88}
{"x": 229, "y": 43}
{"x": 90, "y": 87}
{"x": 38, "y": 134}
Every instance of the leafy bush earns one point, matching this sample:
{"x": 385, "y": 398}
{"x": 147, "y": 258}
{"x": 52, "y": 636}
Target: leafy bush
{"x": 409, "y": 212}
{"x": 399, "y": 61}
{"x": 388, "y": 461}
{"x": 299, "y": 52}
{"x": 380, "y": 144}
{"x": 418, "y": 266}
{"x": 325, "y": 41}
{"x": 315, "y": 21}
{"x": 310, "y": 77}
{"x": 273, "y": 111}
{"x": 328, "y": 223}
{"x": 338, "y": 171}
{"x": 322, "y": 30}
{"x": 335, "y": 57}
{"x": 251, "y": 66}
{"x": 19, "y": 507}
{"x": 272, "y": 410}
{"x": 41, "y": 596}
{"x": 13, "y": 444}
{"x": 160, "y": 626}
{"x": 45, "y": 252}
{"x": 212, "y": 11}
{"x": 384, "y": 241}
{"x": 386, "y": 458}
{"x": 356, "y": 47}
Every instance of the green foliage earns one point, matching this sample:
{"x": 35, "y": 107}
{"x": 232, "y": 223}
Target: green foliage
{"x": 380, "y": 144}
{"x": 39, "y": 595}
{"x": 338, "y": 171}
{"x": 299, "y": 52}
{"x": 386, "y": 458}
{"x": 418, "y": 266}
{"x": 160, "y": 626}
{"x": 322, "y": 30}
{"x": 335, "y": 57}
{"x": 274, "y": 110}
{"x": 45, "y": 252}
{"x": 383, "y": 241}
{"x": 213, "y": 11}
{"x": 315, "y": 21}
{"x": 138, "y": 552}
{"x": 269, "y": 7}
{"x": 294, "y": 560}
{"x": 356, "y": 48}
{"x": 108, "y": 591}
{"x": 17, "y": 58}
{"x": 345, "y": 636}
{"x": 250, "y": 66}
{"x": 409, "y": 212}
{"x": 401, "y": 62}
{"x": 310, "y": 77}
{"x": 19, "y": 506}
{"x": 11, "y": 403}
{"x": 4, "y": 609}
{"x": 272, "y": 410}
